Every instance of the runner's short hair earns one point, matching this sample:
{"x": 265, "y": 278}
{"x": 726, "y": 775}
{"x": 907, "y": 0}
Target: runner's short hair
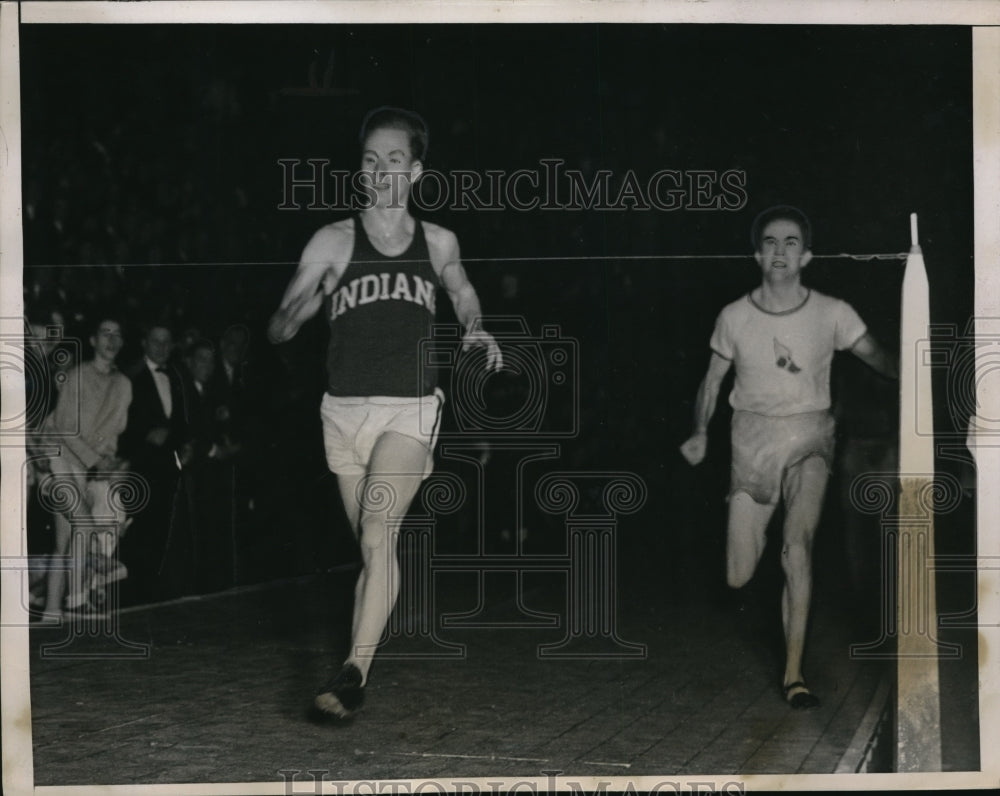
{"x": 785, "y": 213}
{"x": 387, "y": 117}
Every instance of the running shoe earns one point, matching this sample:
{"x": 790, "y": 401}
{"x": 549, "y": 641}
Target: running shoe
{"x": 343, "y": 695}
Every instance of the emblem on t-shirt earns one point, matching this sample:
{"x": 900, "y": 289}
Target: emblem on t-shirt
{"x": 783, "y": 357}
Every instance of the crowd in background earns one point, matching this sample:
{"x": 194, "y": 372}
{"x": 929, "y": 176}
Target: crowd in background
{"x": 177, "y": 428}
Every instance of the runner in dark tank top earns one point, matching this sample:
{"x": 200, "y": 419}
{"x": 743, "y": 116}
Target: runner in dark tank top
{"x": 376, "y": 275}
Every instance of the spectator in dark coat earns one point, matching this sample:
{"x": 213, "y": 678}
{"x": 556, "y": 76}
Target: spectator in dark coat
{"x": 207, "y": 476}
{"x": 153, "y": 441}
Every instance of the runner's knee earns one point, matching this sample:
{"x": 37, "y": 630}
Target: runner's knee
{"x": 373, "y": 533}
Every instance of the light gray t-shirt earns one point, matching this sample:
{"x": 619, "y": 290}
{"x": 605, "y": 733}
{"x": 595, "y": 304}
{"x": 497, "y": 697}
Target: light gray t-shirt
{"x": 783, "y": 360}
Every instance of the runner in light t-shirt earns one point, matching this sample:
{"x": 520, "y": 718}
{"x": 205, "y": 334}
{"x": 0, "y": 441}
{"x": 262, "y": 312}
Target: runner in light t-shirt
{"x": 781, "y": 338}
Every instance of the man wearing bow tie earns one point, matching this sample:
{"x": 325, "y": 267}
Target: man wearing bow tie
{"x": 153, "y": 440}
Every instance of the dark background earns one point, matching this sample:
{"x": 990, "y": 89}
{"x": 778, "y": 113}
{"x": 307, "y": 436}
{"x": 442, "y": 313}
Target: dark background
{"x": 152, "y": 185}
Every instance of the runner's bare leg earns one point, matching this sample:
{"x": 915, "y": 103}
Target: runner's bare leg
{"x": 348, "y": 485}
{"x": 805, "y": 485}
{"x": 397, "y": 465}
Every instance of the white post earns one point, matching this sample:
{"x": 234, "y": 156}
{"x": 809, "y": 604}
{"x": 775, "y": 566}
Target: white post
{"x": 918, "y": 706}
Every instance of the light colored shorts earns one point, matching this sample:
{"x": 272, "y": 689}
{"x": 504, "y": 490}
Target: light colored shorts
{"x": 86, "y": 501}
{"x": 352, "y": 425}
{"x": 765, "y": 447}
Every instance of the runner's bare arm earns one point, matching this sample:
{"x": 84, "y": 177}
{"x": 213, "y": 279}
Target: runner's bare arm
{"x": 447, "y": 263}
{"x": 868, "y": 350}
{"x": 695, "y": 447}
{"x": 323, "y": 260}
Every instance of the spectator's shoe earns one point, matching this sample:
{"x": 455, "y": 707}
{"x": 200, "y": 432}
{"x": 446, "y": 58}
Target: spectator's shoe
{"x": 343, "y": 695}
{"x": 98, "y": 598}
{"x": 84, "y": 611}
{"x": 46, "y": 618}
{"x": 107, "y": 569}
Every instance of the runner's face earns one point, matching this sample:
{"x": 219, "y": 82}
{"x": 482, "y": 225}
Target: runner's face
{"x": 783, "y": 253}
{"x": 388, "y": 166}
{"x": 107, "y": 341}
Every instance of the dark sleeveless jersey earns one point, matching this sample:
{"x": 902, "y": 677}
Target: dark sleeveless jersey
{"x": 380, "y": 311}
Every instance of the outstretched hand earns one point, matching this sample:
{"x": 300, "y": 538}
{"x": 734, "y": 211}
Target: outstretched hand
{"x": 695, "y": 448}
{"x": 282, "y": 327}
{"x": 477, "y": 336}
